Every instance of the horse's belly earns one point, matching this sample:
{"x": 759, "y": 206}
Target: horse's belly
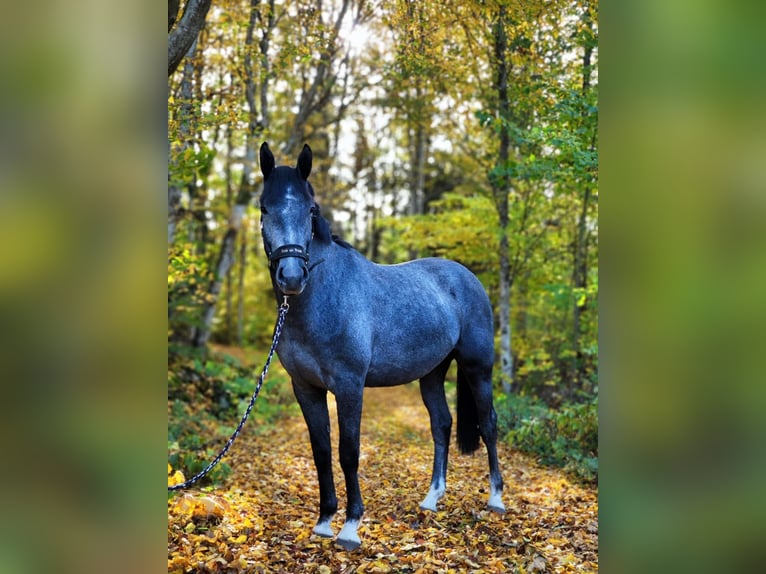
{"x": 409, "y": 362}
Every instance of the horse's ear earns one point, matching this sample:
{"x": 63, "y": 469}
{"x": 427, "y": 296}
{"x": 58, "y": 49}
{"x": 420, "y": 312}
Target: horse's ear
{"x": 304, "y": 161}
{"x": 267, "y": 161}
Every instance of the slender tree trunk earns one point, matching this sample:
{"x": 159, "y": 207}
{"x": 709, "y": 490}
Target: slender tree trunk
{"x": 501, "y": 191}
{"x": 579, "y": 283}
{"x": 185, "y": 117}
{"x": 580, "y": 259}
{"x": 241, "y": 291}
{"x": 229, "y": 278}
{"x": 418, "y": 152}
{"x": 246, "y": 189}
{"x": 417, "y": 172}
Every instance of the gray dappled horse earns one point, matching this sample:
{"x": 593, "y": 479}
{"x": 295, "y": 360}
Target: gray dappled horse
{"x": 357, "y": 324}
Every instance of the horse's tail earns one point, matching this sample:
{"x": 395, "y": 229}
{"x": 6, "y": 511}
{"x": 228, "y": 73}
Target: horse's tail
{"x": 467, "y": 416}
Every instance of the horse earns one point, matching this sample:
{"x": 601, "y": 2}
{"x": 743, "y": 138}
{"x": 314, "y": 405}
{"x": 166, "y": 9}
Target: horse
{"x": 353, "y": 324}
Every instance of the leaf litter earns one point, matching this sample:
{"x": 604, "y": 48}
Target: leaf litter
{"x": 260, "y": 519}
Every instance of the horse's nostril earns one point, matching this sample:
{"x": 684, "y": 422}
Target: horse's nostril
{"x": 292, "y": 276}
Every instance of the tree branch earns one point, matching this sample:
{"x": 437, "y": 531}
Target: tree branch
{"x": 182, "y": 36}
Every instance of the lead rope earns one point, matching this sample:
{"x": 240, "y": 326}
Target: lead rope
{"x": 283, "y": 308}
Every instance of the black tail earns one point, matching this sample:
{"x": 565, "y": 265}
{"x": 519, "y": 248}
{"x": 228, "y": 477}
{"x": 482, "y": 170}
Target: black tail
{"x": 467, "y": 416}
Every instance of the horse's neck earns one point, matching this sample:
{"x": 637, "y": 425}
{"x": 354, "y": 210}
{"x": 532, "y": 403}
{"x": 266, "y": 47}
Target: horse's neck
{"x": 329, "y": 265}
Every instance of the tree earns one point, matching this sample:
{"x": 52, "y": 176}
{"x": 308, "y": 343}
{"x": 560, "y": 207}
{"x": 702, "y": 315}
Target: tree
{"x": 181, "y": 37}
{"x": 258, "y": 122}
{"x": 500, "y": 182}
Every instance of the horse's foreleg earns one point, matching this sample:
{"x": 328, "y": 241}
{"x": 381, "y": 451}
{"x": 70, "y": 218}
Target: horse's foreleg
{"x": 313, "y": 402}
{"x": 432, "y": 391}
{"x": 349, "y": 420}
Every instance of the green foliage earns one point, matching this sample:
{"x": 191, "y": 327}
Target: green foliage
{"x": 188, "y": 276}
{"x": 207, "y": 398}
{"x": 566, "y": 437}
{"x": 462, "y": 228}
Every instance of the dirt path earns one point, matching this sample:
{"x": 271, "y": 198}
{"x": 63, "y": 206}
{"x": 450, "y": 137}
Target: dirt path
{"x": 261, "y": 520}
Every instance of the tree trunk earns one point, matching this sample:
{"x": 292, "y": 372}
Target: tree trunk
{"x": 246, "y": 188}
{"x": 185, "y": 116}
{"x": 241, "y": 291}
{"x": 579, "y": 282}
{"x": 224, "y": 262}
{"x": 501, "y": 190}
{"x": 580, "y": 259}
{"x": 183, "y": 35}
{"x": 417, "y": 170}
{"x": 229, "y": 278}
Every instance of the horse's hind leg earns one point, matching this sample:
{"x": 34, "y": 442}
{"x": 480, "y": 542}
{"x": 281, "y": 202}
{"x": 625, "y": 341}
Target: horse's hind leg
{"x": 480, "y": 381}
{"x": 432, "y": 391}
{"x": 313, "y": 402}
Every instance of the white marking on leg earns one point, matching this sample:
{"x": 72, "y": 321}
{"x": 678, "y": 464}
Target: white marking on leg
{"x": 324, "y": 529}
{"x": 495, "y": 502}
{"x": 348, "y": 537}
{"x": 434, "y": 495}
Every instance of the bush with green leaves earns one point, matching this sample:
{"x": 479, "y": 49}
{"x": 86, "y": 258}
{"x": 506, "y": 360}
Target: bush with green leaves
{"x": 206, "y": 400}
{"x": 566, "y": 437}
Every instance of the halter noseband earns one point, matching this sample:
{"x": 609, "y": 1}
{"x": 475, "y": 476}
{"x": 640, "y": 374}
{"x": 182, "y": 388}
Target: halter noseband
{"x": 289, "y": 250}
{"x": 292, "y": 249}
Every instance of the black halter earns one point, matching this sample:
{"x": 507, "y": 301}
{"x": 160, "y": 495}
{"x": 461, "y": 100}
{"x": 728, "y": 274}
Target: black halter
{"x": 289, "y": 250}
{"x": 292, "y": 249}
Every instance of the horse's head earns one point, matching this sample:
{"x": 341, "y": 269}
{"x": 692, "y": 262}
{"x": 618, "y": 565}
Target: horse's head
{"x": 288, "y": 216}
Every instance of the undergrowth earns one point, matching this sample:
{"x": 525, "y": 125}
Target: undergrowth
{"x": 566, "y": 437}
{"x": 206, "y": 400}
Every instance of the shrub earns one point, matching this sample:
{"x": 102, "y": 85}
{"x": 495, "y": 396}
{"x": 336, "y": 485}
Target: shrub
{"x": 207, "y": 398}
{"x": 566, "y": 437}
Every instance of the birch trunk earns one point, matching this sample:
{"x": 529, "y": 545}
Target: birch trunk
{"x": 501, "y": 193}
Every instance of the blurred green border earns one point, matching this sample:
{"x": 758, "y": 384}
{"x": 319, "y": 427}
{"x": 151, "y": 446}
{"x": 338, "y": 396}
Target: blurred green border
{"x": 83, "y": 158}
{"x": 683, "y": 244}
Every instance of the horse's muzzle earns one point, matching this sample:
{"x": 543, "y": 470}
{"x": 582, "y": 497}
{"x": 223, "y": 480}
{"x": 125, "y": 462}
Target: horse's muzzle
{"x": 292, "y": 275}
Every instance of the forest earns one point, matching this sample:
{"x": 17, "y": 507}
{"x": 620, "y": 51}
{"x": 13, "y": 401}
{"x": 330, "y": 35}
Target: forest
{"x": 464, "y": 129}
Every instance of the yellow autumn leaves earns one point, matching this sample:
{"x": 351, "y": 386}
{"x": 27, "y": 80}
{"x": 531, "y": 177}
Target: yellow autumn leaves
{"x": 174, "y": 477}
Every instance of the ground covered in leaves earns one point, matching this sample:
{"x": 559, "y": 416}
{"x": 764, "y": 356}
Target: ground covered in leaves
{"x": 260, "y": 519}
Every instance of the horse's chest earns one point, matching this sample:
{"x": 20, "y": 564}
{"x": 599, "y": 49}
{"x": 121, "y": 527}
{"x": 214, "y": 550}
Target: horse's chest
{"x": 299, "y": 362}
{"x": 320, "y": 360}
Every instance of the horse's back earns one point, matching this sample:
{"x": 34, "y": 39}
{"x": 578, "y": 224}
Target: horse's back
{"x": 454, "y": 284}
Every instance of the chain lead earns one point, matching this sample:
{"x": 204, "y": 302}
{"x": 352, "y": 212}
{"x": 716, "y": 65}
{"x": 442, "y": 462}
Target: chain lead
{"x": 283, "y": 308}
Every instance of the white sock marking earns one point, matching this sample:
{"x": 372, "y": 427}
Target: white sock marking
{"x": 433, "y": 496}
{"x": 324, "y": 529}
{"x": 349, "y": 535}
{"x": 495, "y": 500}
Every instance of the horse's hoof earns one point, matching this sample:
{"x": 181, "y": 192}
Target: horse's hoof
{"x": 348, "y": 545}
{"x": 431, "y": 507}
{"x": 324, "y": 530}
{"x": 498, "y": 509}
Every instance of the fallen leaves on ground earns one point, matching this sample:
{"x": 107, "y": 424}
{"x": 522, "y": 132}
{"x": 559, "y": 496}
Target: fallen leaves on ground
{"x": 260, "y": 520}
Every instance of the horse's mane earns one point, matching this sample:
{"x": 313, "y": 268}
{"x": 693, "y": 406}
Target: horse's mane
{"x": 323, "y": 231}
{"x": 322, "y": 228}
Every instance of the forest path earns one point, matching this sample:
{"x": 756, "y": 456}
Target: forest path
{"x": 261, "y": 520}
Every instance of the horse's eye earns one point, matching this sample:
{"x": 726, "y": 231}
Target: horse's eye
{"x": 263, "y": 211}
